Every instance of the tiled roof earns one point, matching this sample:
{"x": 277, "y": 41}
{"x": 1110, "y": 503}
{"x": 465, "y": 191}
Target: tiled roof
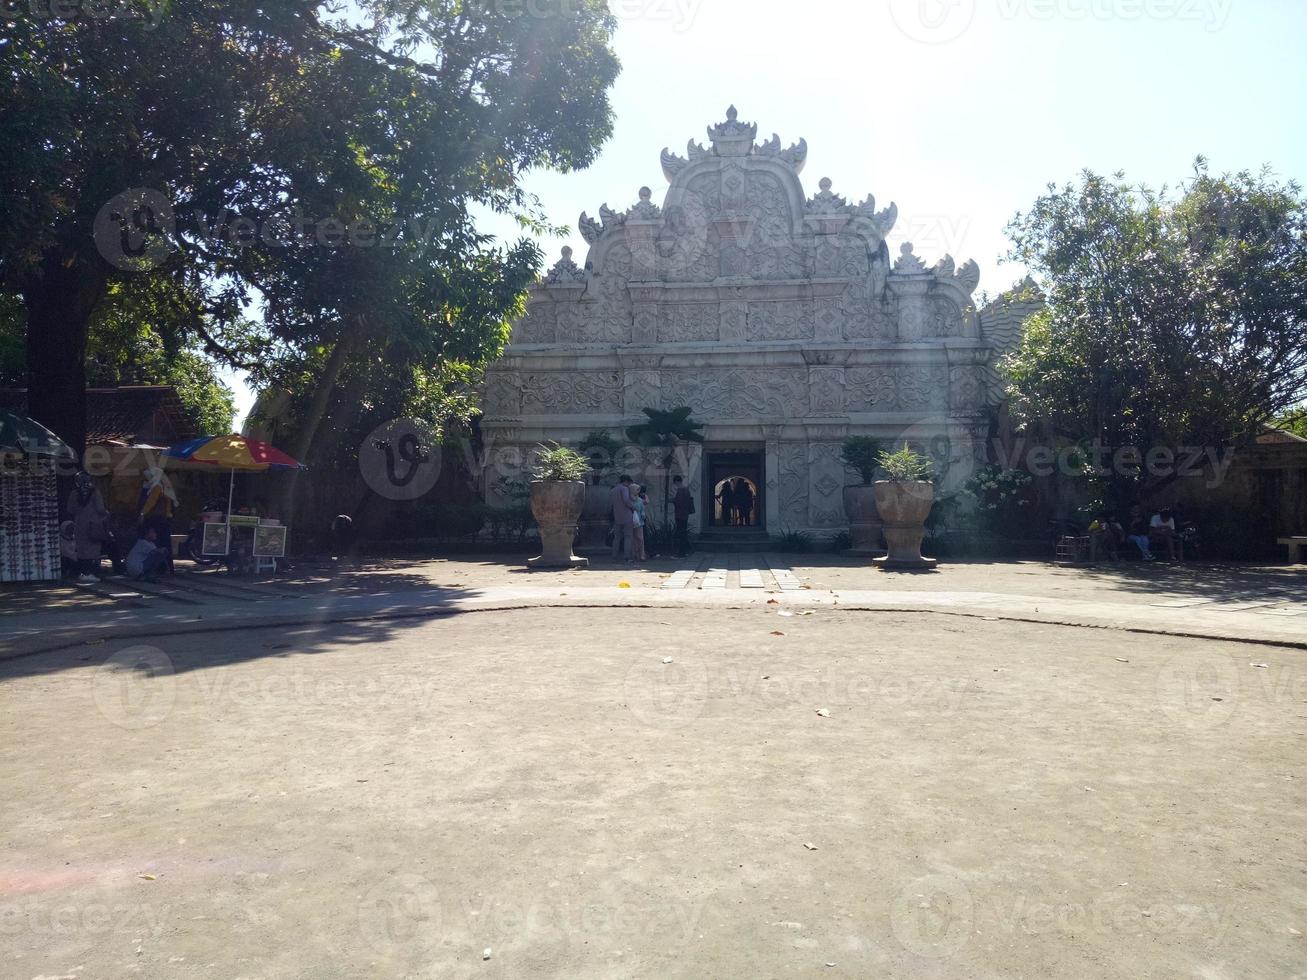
{"x": 133, "y": 415}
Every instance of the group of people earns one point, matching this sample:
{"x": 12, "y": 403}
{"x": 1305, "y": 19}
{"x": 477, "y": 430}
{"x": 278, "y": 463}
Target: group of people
{"x": 737, "y": 501}
{"x": 1146, "y": 534}
{"x": 86, "y": 536}
{"x": 631, "y": 517}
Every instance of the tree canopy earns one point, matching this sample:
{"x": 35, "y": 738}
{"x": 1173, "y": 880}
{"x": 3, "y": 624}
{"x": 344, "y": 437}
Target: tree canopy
{"x": 322, "y": 160}
{"x": 1173, "y": 319}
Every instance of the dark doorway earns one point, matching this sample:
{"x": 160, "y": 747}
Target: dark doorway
{"x": 735, "y": 489}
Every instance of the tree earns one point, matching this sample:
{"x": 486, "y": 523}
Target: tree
{"x": 1171, "y": 321}
{"x": 137, "y": 336}
{"x": 666, "y": 430}
{"x": 323, "y": 158}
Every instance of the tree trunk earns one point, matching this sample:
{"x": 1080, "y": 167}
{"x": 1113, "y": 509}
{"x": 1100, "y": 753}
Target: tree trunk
{"x": 308, "y": 429}
{"x": 59, "y": 302}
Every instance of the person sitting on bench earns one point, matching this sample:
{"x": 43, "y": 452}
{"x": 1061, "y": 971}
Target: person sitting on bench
{"x": 1162, "y": 528}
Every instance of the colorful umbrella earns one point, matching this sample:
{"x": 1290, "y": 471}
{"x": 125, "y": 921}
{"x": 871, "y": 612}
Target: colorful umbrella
{"x": 233, "y": 453}
{"x": 23, "y": 435}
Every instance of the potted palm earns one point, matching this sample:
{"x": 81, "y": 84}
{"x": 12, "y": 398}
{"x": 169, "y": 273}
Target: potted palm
{"x": 861, "y": 454}
{"x": 557, "y": 496}
{"x": 904, "y": 500}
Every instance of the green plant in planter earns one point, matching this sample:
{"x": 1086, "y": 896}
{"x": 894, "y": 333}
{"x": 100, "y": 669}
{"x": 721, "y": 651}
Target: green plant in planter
{"x": 557, "y": 463}
{"x": 861, "y": 453}
{"x": 905, "y": 465}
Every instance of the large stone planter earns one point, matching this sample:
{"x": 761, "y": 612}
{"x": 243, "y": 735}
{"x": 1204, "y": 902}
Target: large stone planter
{"x": 557, "y": 510}
{"x": 596, "y": 518}
{"x": 904, "y": 508}
{"x": 864, "y": 519}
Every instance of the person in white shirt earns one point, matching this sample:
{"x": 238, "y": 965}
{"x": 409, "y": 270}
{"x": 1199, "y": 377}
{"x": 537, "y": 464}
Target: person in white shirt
{"x": 1162, "y": 528}
{"x": 146, "y": 558}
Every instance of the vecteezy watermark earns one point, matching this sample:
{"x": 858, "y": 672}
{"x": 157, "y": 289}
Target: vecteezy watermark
{"x": 932, "y": 21}
{"x": 139, "y": 228}
{"x": 941, "y": 21}
{"x": 1212, "y": 15}
{"x": 401, "y": 459}
{"x": 223, "y": 691}
{"x": 1198, "y": 691}
{"x": 1098, "y": 460}
{"x": 933, "y": 916}
{"x": 665, "y": 695}
{"x": 49, "y": 919}
{"x": 47, "y": 11}
{"x": 395, "y": 910}
{"x": 680, "y": 14}
{"x": 136, "y": 687}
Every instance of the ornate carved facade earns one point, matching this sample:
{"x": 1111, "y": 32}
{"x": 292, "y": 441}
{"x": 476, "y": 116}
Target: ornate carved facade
{"x": 779, "y": 318}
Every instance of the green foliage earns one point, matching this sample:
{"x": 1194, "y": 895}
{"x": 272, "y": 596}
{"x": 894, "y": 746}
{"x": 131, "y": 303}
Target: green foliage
{"x": 1171, "y": 321}
{"x": 1294, "y": 421}
{"x": 326, "y": 161}
{"x": 791, "y": 540}
{"x": 840, "y": 542}
{"x": 905, "y": 465}
{"x": 861, "y": 453}
{"x": 666, "y": 429}
{"x": 600, "y": 447}
{"x": 559, "y": 463}
{"x": 139, "y": 336}
{"x": 1001, "y": 499}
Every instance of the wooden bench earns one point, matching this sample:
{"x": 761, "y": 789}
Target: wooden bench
{"x": 1295, "y": 544}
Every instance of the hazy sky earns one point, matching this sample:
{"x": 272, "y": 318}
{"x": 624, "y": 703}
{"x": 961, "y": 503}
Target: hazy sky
{"x": 960, "y": 111}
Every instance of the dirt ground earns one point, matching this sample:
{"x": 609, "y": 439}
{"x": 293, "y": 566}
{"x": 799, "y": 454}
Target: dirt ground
{"x": 864, "y": 795}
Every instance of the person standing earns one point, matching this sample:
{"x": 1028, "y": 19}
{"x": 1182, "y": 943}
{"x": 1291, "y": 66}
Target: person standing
{"x": 639, "y": 518}
{"x": 90, "y": 526}
{"x": 744, "y": 502}
{"x": 157, "y": 505}
{"x": 727, "y": 499}
{"x": 682, "y": 508}
{"x": 623, "y": 512}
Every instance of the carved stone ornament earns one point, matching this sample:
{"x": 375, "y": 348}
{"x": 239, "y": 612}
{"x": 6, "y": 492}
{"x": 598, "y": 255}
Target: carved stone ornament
{"x": 732, "y": 138}
{"x": 645, "y": 209}
{"x": 566, "y": 272}
{"x": 908, "y": 264}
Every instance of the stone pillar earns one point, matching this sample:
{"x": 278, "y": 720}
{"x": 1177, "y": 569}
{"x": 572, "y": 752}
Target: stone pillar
{"x": 910, "y": 282}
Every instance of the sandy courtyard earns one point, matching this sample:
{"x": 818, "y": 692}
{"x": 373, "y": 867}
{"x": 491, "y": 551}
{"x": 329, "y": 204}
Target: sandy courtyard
{"x": 866, "y": 795}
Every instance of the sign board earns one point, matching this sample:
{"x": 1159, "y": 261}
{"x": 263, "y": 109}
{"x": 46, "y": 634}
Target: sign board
{"x": 270, "y": 541}
{"x": 216, "y": 539}
{"x": 243, "y": 520}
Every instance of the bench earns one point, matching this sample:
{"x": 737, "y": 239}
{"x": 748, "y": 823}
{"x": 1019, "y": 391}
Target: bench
{"x": 1295, "y": 544}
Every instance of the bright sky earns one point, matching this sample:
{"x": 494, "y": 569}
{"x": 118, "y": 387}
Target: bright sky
{"x": 961, "y": 111}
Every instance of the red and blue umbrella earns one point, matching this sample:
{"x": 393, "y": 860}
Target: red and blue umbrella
{"x": 233, "y": 453}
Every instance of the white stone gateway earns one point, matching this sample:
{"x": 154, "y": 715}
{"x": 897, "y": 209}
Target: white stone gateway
{"x": 777, "y": 317}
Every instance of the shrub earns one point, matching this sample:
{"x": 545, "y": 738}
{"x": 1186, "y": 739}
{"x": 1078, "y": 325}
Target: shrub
{"x": 557, "y": 463}
{"x": 905, "y": 465}
{"x": 861, "y": 453}
{"x": 792, "y": 540}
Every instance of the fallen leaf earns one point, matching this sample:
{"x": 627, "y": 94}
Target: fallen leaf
{"x": 623, "y": 585}
{"x": 667, "y": 660}
{"x": 773, "y": 602}
{"x": 147, "y": 877}
{"x": 1122, "y": 660}
{"x": 824, "y": 712}
{"x": 1263, "y": 666}
{"x": 777, "y": 633}
{"x": 811, "y": 847}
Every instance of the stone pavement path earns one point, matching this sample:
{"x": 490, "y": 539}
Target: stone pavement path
{"x": 197, "y": 602}
{"x": 747, "y": 571}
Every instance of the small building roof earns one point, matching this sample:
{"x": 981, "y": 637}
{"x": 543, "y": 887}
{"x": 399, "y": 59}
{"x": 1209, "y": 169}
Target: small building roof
{"x": 140, "y": 416}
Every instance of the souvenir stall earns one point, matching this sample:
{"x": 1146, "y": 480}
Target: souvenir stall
{"x": 247, "y": 543}
{"x": 29, "y": 502}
